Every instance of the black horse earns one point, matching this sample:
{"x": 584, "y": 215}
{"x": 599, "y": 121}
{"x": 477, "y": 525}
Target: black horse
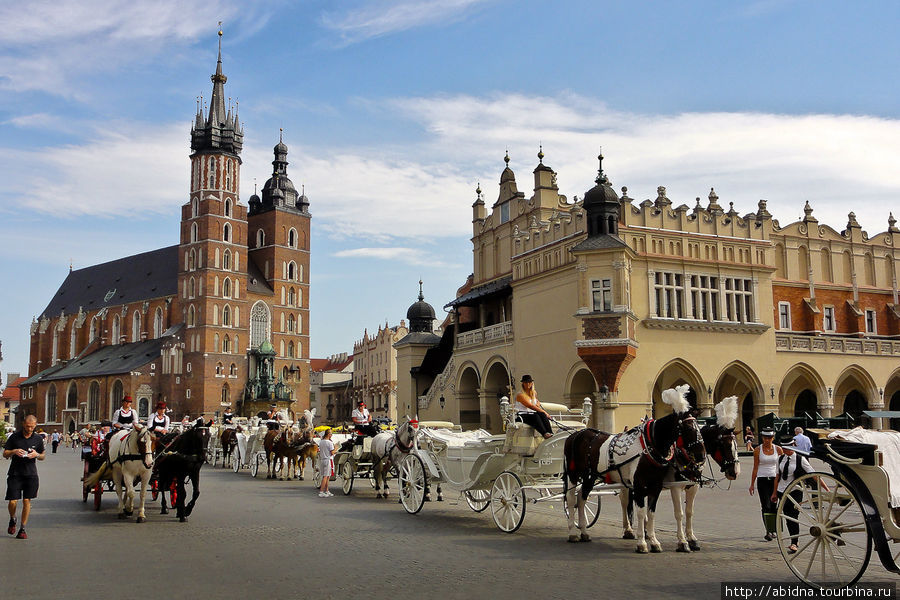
{"x": 181, "y": 461}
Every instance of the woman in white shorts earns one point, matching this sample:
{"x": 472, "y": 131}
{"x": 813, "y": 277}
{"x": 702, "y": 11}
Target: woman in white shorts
{"x": 326, "y": 462}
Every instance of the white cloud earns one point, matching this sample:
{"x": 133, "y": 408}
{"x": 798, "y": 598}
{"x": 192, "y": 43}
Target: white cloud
{"x": 376, "y": 19}
{"x": 408, "y": 255}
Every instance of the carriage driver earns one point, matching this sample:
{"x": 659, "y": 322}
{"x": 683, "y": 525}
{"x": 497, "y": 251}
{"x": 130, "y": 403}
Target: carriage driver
{"x": 362, "y": 420}
{"x": 273, "y": 418}
{"x": 228, "y": 417}
{"x": 124, "y": 418}
{"x": 159, "y": 422}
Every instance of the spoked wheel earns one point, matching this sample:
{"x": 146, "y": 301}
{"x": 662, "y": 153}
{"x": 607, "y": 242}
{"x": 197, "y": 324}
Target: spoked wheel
{"x": 347, "y": 477}
{"x": 478, "y": 500}
{"x": 235, "y": 460}
{"x": 591, "y": 509}
{"x": 508, "y": 502}
{"x": 833, "y": 543}
{"x": 254, "y": 464}
{"x": 317, "y": 478}
{"x": 411, "y": 476}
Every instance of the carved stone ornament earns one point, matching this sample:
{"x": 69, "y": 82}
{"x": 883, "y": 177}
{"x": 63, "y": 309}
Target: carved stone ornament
{"x": 61, "y": 322}
{"x": 145, "y": 307}
{"x": 34, "y": 326}
{"x": 80, "y": 317}
{"x": 45, "y": 323}
{"x": 124, "y": 310}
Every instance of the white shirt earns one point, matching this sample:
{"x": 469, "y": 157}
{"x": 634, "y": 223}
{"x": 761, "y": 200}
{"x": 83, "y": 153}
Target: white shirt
{"x": 121, "y": 412}
{"x": 360, "y": 417}
{"x": 792, "y": 466}
{"x": 155, "y": 417}
{"x": 326, "y": 447}
{"x": 521, "y": 408}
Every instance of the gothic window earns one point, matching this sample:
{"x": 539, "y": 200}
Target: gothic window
{"x": 236, "y": 318}
{"x": 226, "y": 344}
{"x": 50, "y": 409}
{"x": 291, "y": 271}
{"x": 116, "y": 329}
{"x": 191, "y": 288}
{"x": 225, "y": 393}
{"x": 260, "y": 238}
{"x": 284, "y": 374}
{"x": 290, "y": 350}
{"x": 226, "y": 260}
{"x": 281, "y": 348}
{"x": 827, "y": 274}
{"x": 194, "y": 232}
{"x": 192, "y": 260}
{"x": 300, "y": 273}
{"x": 226, "y": 288}
{"x": 72, "y": 396}
{"x": 212, "y": 172}
{"x": 237, "y": 261}
{"x": 228, "y": 187}
{"x": 55, "y": 355}
{"x": 292, "y": 297}
{"x": 237, "y": 341}
{"x": 158, "y": 323}
{"x": 192, "y": 317}
{"x": 232, "y": 370}
{"x": 195, "y": 207}
{"x": 228, "y": 201}
{"x": 260, "y": 323}
{"x": 290, "y": 323}
{"x": 226, "y": 232}
{"x": 218, "y": 368}
{"x": 72, "y": 342}
{"x": 215, "y": 315}
{"x": 136, "y": 326}
{"x": 94, "y": 402}
{"x": 292, "y": 238}
{"x": 216, "y": 349}
{"x": 115, "y": 397}
{"x": 226, "y": 316}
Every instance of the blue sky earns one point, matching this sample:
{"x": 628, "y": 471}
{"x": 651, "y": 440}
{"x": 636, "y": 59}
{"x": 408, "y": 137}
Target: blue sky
{"x": 393, "y": 110}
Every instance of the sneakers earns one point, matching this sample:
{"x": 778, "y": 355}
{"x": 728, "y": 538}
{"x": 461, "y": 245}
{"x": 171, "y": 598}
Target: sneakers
{"x": 22, "y": 535}
{"x": 329, "y": 494}
{"x": 769, "y": 537}
{"x": 323, "y": 495}
{"x": 11, "y": 530}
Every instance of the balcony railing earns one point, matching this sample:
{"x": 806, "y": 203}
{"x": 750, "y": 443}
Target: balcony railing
{"x": 485, "y": 335}
{"x": 822, "y": 344}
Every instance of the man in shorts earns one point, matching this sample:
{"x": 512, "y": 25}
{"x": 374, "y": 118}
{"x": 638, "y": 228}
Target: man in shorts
{"x": 23, "y": 447}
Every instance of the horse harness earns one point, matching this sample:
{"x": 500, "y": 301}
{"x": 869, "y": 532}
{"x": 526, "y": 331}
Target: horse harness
{"x": 130, "y": 457}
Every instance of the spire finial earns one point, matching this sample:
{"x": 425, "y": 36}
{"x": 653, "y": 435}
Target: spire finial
{"x": 71, "y": 264}
{"x": 220, "y": 41}
{"x": 478, "y": 189}
{"x": 601, "y": 178}
{"x": 540, "y": 153}
{"x": 254, "y": 186}
{"x": 281, "y": 134}
{"x": 421, "y": 295}
{"x": 506, "y": 158}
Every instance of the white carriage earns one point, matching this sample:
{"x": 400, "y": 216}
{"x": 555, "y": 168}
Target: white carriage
{"x": 249, "y": 453}
{"x": 358, "y": 463}
{"x": 214, "y": 446}
{"x": 504, "y": 472}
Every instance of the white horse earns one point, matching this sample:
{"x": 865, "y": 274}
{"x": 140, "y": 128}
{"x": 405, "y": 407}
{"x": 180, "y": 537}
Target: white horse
{"x": 130, "y": 458}
{"x": 390, "y": 449}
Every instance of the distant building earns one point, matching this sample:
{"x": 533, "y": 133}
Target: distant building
{"x": 375, "y": 373}
{"x": 330, "y": 385}
{"x": 220, "y": 318}
{"x": 616, "y": 300}
{"x": 9, "y": 399}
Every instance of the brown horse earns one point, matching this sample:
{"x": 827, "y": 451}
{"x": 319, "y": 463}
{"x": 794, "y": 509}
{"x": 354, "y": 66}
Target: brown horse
{"x": 229, "y": 442}
{"x": 283, "y": 447}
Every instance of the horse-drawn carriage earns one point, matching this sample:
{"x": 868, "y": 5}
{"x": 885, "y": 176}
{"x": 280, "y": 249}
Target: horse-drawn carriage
{"x": 249, "y": 452}
{"x": 93, "y": 457}
{"x": 841, "y": 515}
{"x": 503, "y": 472}
{"x": 355, "y": 461}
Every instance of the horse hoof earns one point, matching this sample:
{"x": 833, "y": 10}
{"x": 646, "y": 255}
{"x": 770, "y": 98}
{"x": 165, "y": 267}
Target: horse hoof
{"x": 682, "y": 548}
{"x": 440, "y": 499}
{"x": 574, "y": 539}
{"x": 141, "y": 519}
{"x": 655, "y": 549}
{"x": 641, "y": 550}
{"x": 584, "y": 538}
{"x": 628, "y": 535}
{"x": 694, "y": 545}
{"x": 128, "y": 513}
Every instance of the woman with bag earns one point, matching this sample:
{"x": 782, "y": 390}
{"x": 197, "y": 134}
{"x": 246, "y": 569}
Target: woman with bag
{"x": 765, "y": 470}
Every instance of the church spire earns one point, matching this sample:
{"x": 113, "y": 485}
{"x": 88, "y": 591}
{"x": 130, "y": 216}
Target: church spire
{"x": 220, "y": 130}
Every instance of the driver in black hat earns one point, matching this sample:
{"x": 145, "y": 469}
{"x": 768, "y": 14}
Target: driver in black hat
{"x": 362, "y": 420}
{"x": 274, "y": 418}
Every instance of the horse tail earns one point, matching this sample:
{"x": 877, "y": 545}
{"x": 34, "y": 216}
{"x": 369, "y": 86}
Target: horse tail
{"x": 94, "y": 478}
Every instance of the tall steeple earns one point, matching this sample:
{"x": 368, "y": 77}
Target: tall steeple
{"x": 219, "y": 130}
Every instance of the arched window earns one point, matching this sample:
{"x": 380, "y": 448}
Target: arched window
{"x": 281, "y": 348}
{"x": 192, "y": 316}
{"x": 226, "y": 288}
{"x": 290, "y": 323}
{"x": 95, "y": 329}
{"x": 115, "y": 397}
{"x": 300, "y": 273}
{"x": 292, "y": 238}
{"x": 225, "y": 393}
{"x": 227, "y": 185}
{"x": 290, "y": 350}
{"x": 869, "y": 278}
{"x": 195, "y": 208}
{"x": 226, "y": 345}
{"x": 237, "y": 342}
{"x": 215, "y": 315}
{"x": 72, "y": 396}
{"x": 237, "y": 261}
{"x": 228, "y": 200}
{"x": 212, "y": 172}
{"x": 284, "y": 374}
{"x": 226, "y": 261}
{"x": 195, "y": 232}
{"x": 50, "y": 408}
{"x": 218, "y": 368}
{"x": 94, "y": 402}
{"x": 260, "y": 238}
{"x": 236, "y": 318}
{"x": 158, "y": 323}
{"x": 233, "y": 369}
{"x": 136, "y": 326}
{"x": 292, "y": 297}
{"x": 192, "y": 260}
{"x": 55, "y": 355}
{"x": 191, "y": 288}
{"x": 291, "y": 271}
{"x": 116, "y": 329}
{"x": 226, "y": 316}
{"x": 216, "y": 348}
{"x": 226, "y": 232}
{"x": 260, "y": 323}
{"x": 72, "y": 343}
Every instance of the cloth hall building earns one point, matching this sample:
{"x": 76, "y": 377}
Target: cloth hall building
{"x": 613, "y": 299}
{"x": 221, "y": 317}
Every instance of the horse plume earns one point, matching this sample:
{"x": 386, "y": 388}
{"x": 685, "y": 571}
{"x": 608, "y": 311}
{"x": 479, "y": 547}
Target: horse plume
{"x": 727, "y": 412}
{"x": 676, "y": 398}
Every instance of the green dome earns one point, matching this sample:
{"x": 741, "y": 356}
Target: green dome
{"x": 266, "y": 348}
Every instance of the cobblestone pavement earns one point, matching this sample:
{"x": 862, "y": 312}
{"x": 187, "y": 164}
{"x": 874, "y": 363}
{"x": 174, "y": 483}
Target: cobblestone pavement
{"x": 255, "y": 538}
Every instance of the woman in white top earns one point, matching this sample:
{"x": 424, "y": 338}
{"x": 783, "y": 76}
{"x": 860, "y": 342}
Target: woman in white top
{"x": 765, "y": 469}
{"x": 791, "y": 465}
{"x": 326, "y": 462}
{"x": 529, "y": 408}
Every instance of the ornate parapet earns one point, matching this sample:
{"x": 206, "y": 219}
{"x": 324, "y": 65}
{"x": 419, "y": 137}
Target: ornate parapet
{"x": 786, "y": 342}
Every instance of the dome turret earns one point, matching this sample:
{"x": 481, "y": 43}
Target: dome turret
{"x": 601, "y": 203}
{"x": 420, "y": 314}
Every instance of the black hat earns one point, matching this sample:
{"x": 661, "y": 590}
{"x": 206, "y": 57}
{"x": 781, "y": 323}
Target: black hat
{"x": 527, "y": 379}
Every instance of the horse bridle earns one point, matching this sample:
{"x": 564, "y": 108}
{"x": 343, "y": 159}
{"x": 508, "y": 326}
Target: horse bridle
{"x": 138, "y": 456}
{"x": 684, "y": 451}
{"x": 404, "y": 448}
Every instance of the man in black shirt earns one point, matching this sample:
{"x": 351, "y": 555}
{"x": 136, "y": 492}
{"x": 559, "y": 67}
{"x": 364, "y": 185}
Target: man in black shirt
{"x": 23, "y": 447}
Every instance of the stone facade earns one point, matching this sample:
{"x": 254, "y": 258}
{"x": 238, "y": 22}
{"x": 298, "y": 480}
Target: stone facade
{"x": 375, "y": 373}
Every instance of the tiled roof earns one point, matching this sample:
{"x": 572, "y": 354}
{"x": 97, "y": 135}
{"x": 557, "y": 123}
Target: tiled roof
{"x": 12, "y": 392}
{"x": 488, "y": 289}
{"x": 143, "y": 276}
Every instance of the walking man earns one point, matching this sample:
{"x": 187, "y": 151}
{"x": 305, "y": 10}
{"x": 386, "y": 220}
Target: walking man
{"x": 54, "y": 440}
{"x": 23, "y": 447}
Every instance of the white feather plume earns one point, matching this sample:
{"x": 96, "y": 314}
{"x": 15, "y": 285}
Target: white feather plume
{"x": 727, "y": 412}
{"x": 676, "y": 398}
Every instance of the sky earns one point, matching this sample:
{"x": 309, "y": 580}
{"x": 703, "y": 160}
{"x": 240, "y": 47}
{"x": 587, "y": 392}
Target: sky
{"x": 395, "y": 110}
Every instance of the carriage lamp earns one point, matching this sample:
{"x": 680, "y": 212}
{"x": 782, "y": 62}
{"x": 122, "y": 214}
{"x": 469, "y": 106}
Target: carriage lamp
{"x": 442, "y": 401}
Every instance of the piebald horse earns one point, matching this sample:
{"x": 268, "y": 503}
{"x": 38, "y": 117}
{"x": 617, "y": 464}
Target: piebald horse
{"x": 131, "y": 459}
{"x": 638, "y": 458}
{"x": 389, "y": 450}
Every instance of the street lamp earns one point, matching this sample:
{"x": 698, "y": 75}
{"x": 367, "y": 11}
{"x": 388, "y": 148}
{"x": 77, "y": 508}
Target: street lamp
{"x": 442, "y": 402}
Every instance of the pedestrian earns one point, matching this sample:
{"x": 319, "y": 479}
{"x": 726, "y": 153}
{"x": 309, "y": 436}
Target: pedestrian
{"x": 23, "y": 447}
{"x": 791, "y": 465}
{"x": 765, "y": 469}
{"x": 54, "y": 440}
{"x": 801, "y": 440}
{"x": 326, "y": 462}
{"x": 749, "y": 438}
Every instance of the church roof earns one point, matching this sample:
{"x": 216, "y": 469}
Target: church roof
{"x": 142, "y": 276}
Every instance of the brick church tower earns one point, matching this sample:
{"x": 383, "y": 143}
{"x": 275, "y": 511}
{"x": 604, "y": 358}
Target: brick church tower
{"x": 212, "y": 265}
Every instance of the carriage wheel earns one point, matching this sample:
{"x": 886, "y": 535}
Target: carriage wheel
{"x": 254, "y": 464}
{"x": 508, "y": 502}
{"x": 84, "y": 491}
{"x": 347, "y": 476}
{"x": 834, "y": 545}
{"x": 591, "y": 509}
{"x": 236, "y": 460}
{"x": 98, "y": 493}
{"x": 173, "y": 493}
{"x": 209, "y": 457}
{"x": 411, "y": 474}
{"x": 317, "y": 478}
{"x": 478, "y": 500}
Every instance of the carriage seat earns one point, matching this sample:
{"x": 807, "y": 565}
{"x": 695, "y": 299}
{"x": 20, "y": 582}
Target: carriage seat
{"x": 888, "y": 443}
{"x": 522, "y": 439}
